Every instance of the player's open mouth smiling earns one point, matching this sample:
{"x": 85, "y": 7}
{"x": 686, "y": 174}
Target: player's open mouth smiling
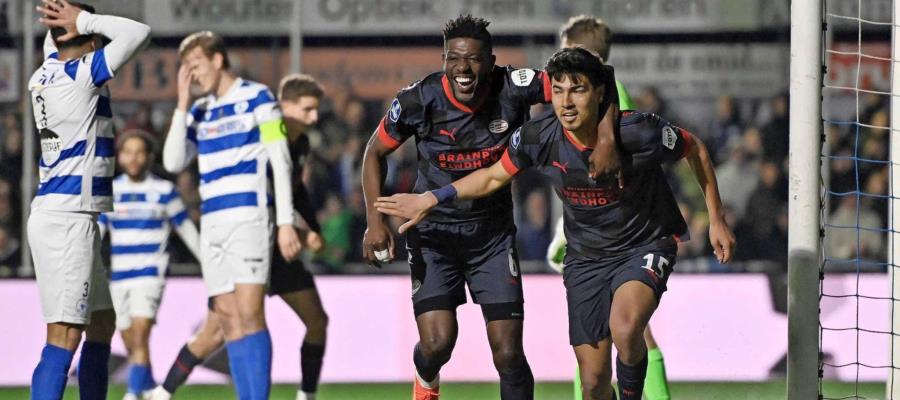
{"x": 464, "y": 83}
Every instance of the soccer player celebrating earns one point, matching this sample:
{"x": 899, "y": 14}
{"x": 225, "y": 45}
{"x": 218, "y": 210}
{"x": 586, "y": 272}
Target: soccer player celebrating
{"x": 73, "y": 116}
{"x": 298, "y": 97}
{"x": 594, "y": 35}
{"x": 236, "y": 130}
{"x": 622, "y": 241}
{"x": 461, "y": 118}
{"x": 146, "y": 207}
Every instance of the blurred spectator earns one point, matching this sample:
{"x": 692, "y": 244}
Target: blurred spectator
{"x": 142, "y": 120}
{"x": 722, "y": 129}
{"x": 534, "y": 230}
{"x": 336, "y": 221}
{"x": 738, "y": 176}
{"x": 775, "y": 134}
{"x": 763, "y": 213}
{"x": 10, "y": 255}
{"x": 11, "y": 155}
{"x": 844, "y": 240}
{"x": 649, "y": 101}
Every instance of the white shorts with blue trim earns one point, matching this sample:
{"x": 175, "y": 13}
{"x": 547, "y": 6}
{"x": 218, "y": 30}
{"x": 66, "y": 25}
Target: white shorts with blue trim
{"x": 233, "y": 253}
{"x": 136, "y": 298}
{"x": 71, "y": 279}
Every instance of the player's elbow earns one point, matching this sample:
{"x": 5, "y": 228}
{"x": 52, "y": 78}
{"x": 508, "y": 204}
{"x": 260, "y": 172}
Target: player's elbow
{"x": 142, "y": 33}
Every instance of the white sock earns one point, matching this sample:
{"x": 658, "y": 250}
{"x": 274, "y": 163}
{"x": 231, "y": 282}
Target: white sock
{"x": 301, "y": 395}
{"x": 429, "y": 385}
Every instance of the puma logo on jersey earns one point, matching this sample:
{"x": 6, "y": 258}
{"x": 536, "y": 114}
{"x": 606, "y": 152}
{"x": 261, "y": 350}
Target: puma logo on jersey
{"x": 451, "y": 133}
{"x": 562, "y": 167}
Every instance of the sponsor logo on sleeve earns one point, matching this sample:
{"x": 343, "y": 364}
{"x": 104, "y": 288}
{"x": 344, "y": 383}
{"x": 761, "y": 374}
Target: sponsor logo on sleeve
{"x": 522, "y": 77}
{"x": 669, "y": 137}
{"x": 394, "y": 113}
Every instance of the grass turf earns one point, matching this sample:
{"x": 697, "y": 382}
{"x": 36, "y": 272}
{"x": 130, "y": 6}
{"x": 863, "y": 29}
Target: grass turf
{"x": 478, "y": 391}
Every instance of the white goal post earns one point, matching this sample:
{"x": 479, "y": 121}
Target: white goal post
{"x": 804, "y": 252}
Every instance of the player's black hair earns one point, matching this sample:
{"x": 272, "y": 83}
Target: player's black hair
{"x": 467, "y": 26}
{"x": 77, "y": 41}
{"x": 576, "y": 61}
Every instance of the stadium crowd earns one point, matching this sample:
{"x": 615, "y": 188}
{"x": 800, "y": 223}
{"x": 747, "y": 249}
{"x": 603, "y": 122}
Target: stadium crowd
{"x": 748, "y": 140}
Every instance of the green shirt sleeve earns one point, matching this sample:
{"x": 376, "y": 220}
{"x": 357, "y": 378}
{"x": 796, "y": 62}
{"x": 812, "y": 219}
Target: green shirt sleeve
{"x": 625, "y": 103}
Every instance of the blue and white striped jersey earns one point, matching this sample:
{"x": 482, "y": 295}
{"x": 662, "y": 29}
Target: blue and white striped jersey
{"x": 139, "y": 226}
{"x": 229, "y": 134}
{"x": 74, "y": 118}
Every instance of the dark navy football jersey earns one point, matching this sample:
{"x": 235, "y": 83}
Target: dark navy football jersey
{"x": 453, "y": 140}
{"x": 299, "y": 149}
{"x": 602, "y": 219}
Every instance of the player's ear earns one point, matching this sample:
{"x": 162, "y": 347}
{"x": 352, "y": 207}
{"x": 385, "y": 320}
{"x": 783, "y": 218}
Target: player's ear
{"x": 218, "y": 60}
{"x": 493, "y": 59}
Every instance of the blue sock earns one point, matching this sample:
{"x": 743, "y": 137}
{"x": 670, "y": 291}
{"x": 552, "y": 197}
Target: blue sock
{"x": 137, "y": 378}
{"x": 237, "y": 364}
{"x": 49, "y": 379}
{"x": 93, "y": 371}
{"x": 259, "y": 363}
{"x": 149, "y": 382}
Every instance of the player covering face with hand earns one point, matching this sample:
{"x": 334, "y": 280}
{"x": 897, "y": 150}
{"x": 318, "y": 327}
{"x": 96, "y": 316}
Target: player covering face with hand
{"x": 622, "y": 241}
{"x": 237, "y": 133}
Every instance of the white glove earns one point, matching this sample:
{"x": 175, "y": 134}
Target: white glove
{"x": 556, "y": 252}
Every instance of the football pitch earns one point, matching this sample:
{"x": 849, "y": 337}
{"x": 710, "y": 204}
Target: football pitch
{"x": 478, "y": 391}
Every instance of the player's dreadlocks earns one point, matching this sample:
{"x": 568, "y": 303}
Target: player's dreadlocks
{"x": 467, "y": 26}
{"x": 77, "y": 41}
{"x": 576, "y": 61}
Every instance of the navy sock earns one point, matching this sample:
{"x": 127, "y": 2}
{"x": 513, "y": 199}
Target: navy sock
{"x": 137, "y": 378}
{"x": 517, "y": 384}
{"x": 181, "y": 369}
{"x": 259, "y": 365}
{"x": 311, "y": 356}
{"x": 93, "y": 371}
{"x": 631, "y": 378}
{"x": 428, "y": 369}
{"x": 237, "y": 364}
{"x": 49, "y": 379}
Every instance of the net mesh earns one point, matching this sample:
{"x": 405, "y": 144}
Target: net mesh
{"x": 855, "y": 303}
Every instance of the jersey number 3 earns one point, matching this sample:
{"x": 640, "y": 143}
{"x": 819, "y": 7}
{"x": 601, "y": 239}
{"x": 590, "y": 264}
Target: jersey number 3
{"x": 658, "y": 268}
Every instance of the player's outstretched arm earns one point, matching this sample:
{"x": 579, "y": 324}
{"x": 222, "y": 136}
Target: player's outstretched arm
{"x": 378, "y": 237}
{"x": 414, "y": 207}
{"x": 178, "y": 151}
{"x": 720, "y": 235}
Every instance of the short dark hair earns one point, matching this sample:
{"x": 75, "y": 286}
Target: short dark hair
{"x": 589, "y": 30}
{"x": 77, "y": 41}
{"x": 208, "y": 41}
{"x": 295, "y": 86}
{"x": 576, "y": 61}
{"x": 467, "y": 26}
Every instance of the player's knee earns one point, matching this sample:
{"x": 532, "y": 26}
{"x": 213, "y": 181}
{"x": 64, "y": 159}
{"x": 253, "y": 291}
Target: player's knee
{"x": 436, "y": 347}
{"x": 626, "y": 330}
{"x": 508, "y": 358}
{"x": 318, "y": 325}
{"x": 596, "y": 382}
{"x": 102, "y": 327}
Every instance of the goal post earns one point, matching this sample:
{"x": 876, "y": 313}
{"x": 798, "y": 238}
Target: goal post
{"x": 893, "y": 381}
{"x": 804, "y": 251}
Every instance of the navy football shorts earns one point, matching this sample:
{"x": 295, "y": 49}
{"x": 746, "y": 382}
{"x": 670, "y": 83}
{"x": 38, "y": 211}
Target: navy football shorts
{"x": 590, "y": 285}
{"x": 444, "y": 258}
